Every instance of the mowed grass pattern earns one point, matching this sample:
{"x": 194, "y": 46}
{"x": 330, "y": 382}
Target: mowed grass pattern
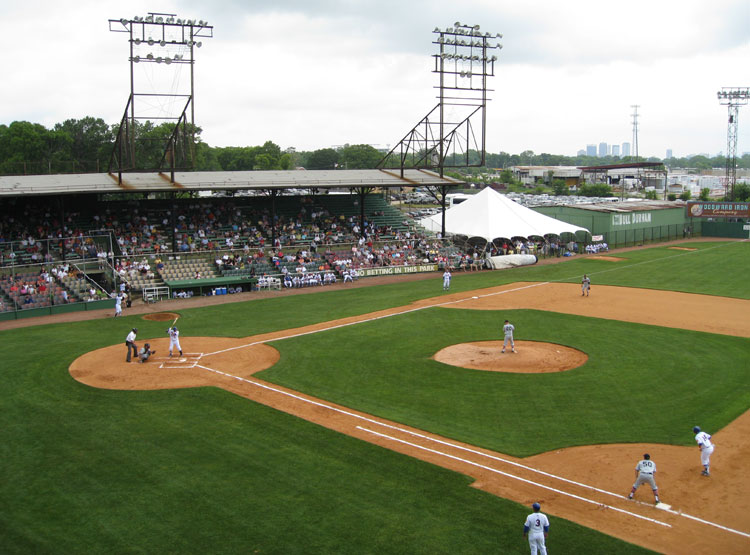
{"x": 204, "y": 471}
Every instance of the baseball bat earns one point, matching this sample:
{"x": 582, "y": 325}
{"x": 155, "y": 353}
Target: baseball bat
{"x": 175, "y": 320}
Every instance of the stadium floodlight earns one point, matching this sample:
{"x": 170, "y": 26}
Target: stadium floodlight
{"x": 151, "y": 39}
{"x": 732, "y": 98}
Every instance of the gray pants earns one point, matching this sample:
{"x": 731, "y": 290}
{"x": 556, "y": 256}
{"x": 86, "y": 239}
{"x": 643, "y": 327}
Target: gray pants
{"x": 644, "y": 478}
{"x": 131, "y": 347}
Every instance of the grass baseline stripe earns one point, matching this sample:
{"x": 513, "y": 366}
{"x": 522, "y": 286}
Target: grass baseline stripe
{"x": 506, "y": 474}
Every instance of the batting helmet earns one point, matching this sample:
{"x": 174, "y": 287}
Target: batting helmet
{"x": 174, "y": 328}
{"x": 536, "y": 506}
{"x": 696, "y": 429}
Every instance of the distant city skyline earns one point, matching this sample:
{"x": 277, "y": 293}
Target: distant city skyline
{"x": 313, "y": 74}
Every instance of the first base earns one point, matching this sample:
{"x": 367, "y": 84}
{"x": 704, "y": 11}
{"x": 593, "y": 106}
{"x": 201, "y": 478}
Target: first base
{"x": 663, "y": 506}
{"x": 475, "y": 297}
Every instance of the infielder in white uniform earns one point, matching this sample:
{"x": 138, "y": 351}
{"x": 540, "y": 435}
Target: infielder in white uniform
{"x": 446, "y": 279}
{"x": 585, "y": 285}
{"x": 174, "y": 340}
{"x": 704, "y": 442}
{"x": 644, "y": 474}
{"x": 536, "y": 529}
{"x": 508, "y": 333}
{"x": 118, "y": 305}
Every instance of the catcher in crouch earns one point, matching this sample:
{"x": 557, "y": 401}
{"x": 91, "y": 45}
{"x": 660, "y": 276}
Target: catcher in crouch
{"x": 145, "y": 352}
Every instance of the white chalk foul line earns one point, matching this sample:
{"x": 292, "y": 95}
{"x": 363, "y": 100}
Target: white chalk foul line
{"x": 379, "y": 423}
{"x": 370, "y": 420}
{"x": 469, "y": 298}
{"x": 374, "y": 318}
{"x": 554, "y": 476}
{"x": 500, "y": 459}
{"x": 514, "y": 477}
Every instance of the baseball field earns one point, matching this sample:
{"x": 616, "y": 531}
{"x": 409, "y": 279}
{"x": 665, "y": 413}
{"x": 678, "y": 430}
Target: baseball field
{"x": 334, "y": 423}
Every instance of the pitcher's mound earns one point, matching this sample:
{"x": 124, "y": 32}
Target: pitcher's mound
{"x": 531, "y": 357}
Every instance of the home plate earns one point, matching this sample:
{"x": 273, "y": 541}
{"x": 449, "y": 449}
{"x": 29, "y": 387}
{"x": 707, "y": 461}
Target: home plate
{"x": 663, "y": 506}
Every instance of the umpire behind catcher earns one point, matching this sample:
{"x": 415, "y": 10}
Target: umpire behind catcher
{"x": 130, "y": 344}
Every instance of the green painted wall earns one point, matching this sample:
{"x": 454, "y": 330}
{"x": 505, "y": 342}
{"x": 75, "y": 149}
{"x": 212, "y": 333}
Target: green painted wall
{"x": 622, "y": 229}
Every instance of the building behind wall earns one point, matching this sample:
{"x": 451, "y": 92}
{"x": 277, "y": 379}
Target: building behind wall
{"x": 629, "y": 223}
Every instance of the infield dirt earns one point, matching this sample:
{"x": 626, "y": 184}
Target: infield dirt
{"x": 587, "y": 484}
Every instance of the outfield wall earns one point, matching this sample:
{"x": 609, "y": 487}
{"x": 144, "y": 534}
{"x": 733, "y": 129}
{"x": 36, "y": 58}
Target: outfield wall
{"x": 625, "y": 228}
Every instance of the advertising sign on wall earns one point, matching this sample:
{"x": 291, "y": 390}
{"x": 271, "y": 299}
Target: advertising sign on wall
{"x": 397, "y": 270}
{"x": 718, "y": 209}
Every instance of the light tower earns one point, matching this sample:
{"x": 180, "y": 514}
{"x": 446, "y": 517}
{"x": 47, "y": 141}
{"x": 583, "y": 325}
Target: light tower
{"x": 161, "y": 46}
{"x": 464, "y": 61}
{"x": 733, "y": 98}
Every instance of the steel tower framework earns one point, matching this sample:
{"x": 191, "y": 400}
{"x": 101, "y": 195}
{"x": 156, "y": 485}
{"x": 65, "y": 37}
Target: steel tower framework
{"x": 732, "y": 98}
{"x": 166, "y": 41}
{"x": 464, "y": 61}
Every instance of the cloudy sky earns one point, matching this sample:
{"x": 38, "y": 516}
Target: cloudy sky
{"x": 313, "y": 74}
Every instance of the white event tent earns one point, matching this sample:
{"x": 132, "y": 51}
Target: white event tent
{"x": 490, "y": 215}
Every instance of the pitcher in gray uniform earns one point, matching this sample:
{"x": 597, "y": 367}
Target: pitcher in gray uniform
{"x": 508, "y": 329}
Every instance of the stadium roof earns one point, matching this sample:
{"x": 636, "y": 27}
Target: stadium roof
{"x": 633, "y": 205}
{"x": 69, "y": 184}
{"x": 643, "y": 165}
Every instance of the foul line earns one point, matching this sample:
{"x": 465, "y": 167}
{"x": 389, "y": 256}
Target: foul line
{"x": 374, "y": 318}
{"x": 372, "y": 421}
{"x": 446, "y": 303}
{"x": 554, "y": 476}
{"x": 379, "y": 423}
{"x": 507, "y": 475}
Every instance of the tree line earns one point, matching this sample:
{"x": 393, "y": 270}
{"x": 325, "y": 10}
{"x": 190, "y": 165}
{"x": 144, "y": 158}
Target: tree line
{"x": 85, "y": 145}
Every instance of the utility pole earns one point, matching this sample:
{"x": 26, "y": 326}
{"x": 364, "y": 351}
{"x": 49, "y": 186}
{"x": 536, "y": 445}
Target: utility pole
{"x": 634, "y": 115}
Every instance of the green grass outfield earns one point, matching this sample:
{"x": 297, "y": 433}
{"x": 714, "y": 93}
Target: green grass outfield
{"x": 205, "y": 471}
